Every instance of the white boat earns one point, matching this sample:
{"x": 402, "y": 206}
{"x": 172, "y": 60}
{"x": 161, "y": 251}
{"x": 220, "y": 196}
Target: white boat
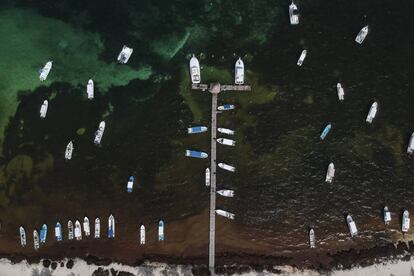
{"x": 36, "y": 240}
{"x": 341, "y": 92}
{"x": 125, "y": 54}
{"x": 225, "y": 131}
{"x": 44, "y": 72}
{"x": 301, "y": 58}
{"x": 70, "y": 230}
{"x": 227, "y": 142}
{"x": 195, "y": 70}
{"x": 97, "y": 228}
{"x": 111, "y": 226}
{"x": 405, "y": 221}
{"x": 90, "y": 89}
{"x": 130, "y": 184}
{"x": 142, "y": 234}
{"x": 207, "y": 179}
{"x": 293, "y": 14}
{"x": 226, "y": 107}
{"x": 372, "y": 112}
{"x": 196, "y": 129}
{"x": 227, "y": 167}
{"x": 58, "y": 232}
{"x": 410, "y": 148}
{"x": 352, "y": 226}
{"x": 225, "y": 214}
{"x": 161, "y": 230}
{"x": 361, "y": 35}
{"x": 22, "y": 234}
{"x": 239, "y": 72}
{"x": 69, "y": 150}
{"x": 43, "y": 109}
{"x": 226, "y": 193}
{"x": 86, "y": 227}
{"x": 78, "y": 230}
{"x": 99, "y": 133}
{"x": 330, "y": 173}
{"x": 387, "y": 215}
{"x": 312, "y": 239}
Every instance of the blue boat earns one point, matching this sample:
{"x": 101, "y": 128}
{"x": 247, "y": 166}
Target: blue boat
{"x": 111, "y": 227}
{"x": 161, "y": 230}
{"x": 58, "y": 231}
{"x": 196, "y": 129}
{"x": 326, "y": 131}
{"x": 43, "y": 233}
{"x": 226, "y": 107}
{"x": 196, "y": 154}
{"x": 130, "y": 184}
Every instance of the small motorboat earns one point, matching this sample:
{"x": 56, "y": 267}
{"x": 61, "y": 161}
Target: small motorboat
{"x": 161, "y": 230}
{"x": 130, "y": 184}
{"x": 225, "y": 107}
{"x": 293, "y": 14}
{"x": 196, "y": 154}
{"x": 70, "y": 230}
{"x": 301, "y": 58}
{"x": 239, "y": 72}
{"x": 86, "y": 227}
{"x": 325, "y": 131}
{"x": 330, "y": 173}
{"x": 361, "y": 35}
{"x": 43, "y": 109}
{"x": 78, "y": 231}
{"x": 58, "y": 232}
{"x": 226, "y": 193}
{"x": 227, "y": 142}
{"x": 97, "y": 228}
{"x": 36, "y": 240}
{"x": 44, "y": 72}
{"x": 22, "y": 234}
{"x": 207, "y": 178}
{"x": 196, "y": 129}
{"x": 125, "y": 54}
{"x": 387, "y": 216}
{"x": 312, "y": 239}
{"x": 410, "y": 148}
{"x": 227, "y": 167}
{"x": 352, "y": 226}
{"x": 225, "y": 131}
{"x": 372, "y": 112}
{"x": 43, "y": 233}
{"x": 405, "y": 222}
{"x": 69, "y": 151}
{"x": 225, "y": 214}
{"x": 195, "y": 70}
{"x": 341, "y": 92}
{"x": 111, "y": 227}
{"x": 142, "y": 234}
{"x": 99, "y": 133}
{"x": 90, "y": 89}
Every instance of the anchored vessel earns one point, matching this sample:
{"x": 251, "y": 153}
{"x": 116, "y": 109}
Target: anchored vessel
{"x": 196, "y": 129}
{"x": 90, "y": 89}
{"x": 340, "y": 90}
{"x": 226, "y": 107}
{"x": 43, "y": 109}
{"x": 405, "y": 221}
{"x": 293, "y": 14}
{"x": 125, "y": 54}
{"x": 207, "y": 179}
{"x": 86, "y": 227}
{"x": 387, "y": 216}
{"x": 99, "y": 133}
{"x": 225, "y": 214}
{"x": 410, "y": 148}
{"x": 43, "y": 233}
{"x": 239, "y": 72}
{"x": 225, "y": 131}
{"x": 196, "y": 154}
{"x": 227, "y": 142}
{"x": 69, "y": 150}
{"x": 312, "y": 239}
{"x": 22, "y": 234}
{"x": 226, "y": 193}
{"x": 111, "y": 227}
{"x": 352, "y": 226}
{"x": 361, "y": 35}
{"x": 330, "y": 173}
{"x": 78, "y": 230}
{"x": 372, "y": 112}
{"x": 130, "y": 184}
{"x": 227, "y": 167}
{"x": 58, "y": 231}
{"x": 301, "y": 58}
{"x": 97, "y": 228}
{"x": 161, "y": 230}
{"x": 36, "y": 240}
{"x": 44, "y": 72}
{"x": 142, "y": 234}
{"x": 195, "y": 70}
{"x": 70, "y": 230}
{"x": 325, "y": 131}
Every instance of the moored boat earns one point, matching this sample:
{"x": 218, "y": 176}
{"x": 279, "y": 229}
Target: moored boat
{"x": 227, "y": 142}
{"x": 301, "y": 58}
{"x": 196, "y": 129}
{"x": 111, "y": 227}
{"x": 405, "y": 222}
{"x": 161, "y": 230}
{"x": 69, "y": 151}
{"x": 43, "y": 109}
{"x": 361, "y": 35}
{"x": 196, "y": 154}
{"x": 410, "y": 148}
{"x": 226, "y": 193}
{"x": 226, "y": 107}
{"x": 90, "y": 89}
{"x": 70, "y": 230}
{"x": 312, "y": 239}
{"x": 99, "y": 133}
{"x": 239, "y": 72}
{"x": 207, "y": 178}
{"x": 387, "y": 215}
{"x": 142, "y": 234}
{"x": 86, "y": 227}
{"x": 22, "y": 234}
{"x": 227, "y": 167}
{"x": 44, "y": 72}
{"x": 293, "y": 14}
{"x": 195, "y": 70}
{"x": 352, "y": 226}
{"x": 43, "y": 233}
{"x": 35, "y": 240}
{"x": 58, "y": 231}
{"x": 97, "y": 228}
{"x": 225, "y": 131}
{"x": 372, "y": 112}
{"x": 78, "y": 230}
{"x": 330, "y": 173}
{"x": 325, "y": 131}
{"x": 225, "y": 214}
{"x": 125, "y": 54}
{"x": 341, "y": 92}
{"x": 130, "y": 184}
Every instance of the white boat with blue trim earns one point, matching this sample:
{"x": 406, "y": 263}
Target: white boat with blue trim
{"x": 196, "y": 129}
{"x": 97, "y": 228}
{"x": 111, "y": 227}
{"x": 22, "y": 234}
{"x": 196, "y": 154}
